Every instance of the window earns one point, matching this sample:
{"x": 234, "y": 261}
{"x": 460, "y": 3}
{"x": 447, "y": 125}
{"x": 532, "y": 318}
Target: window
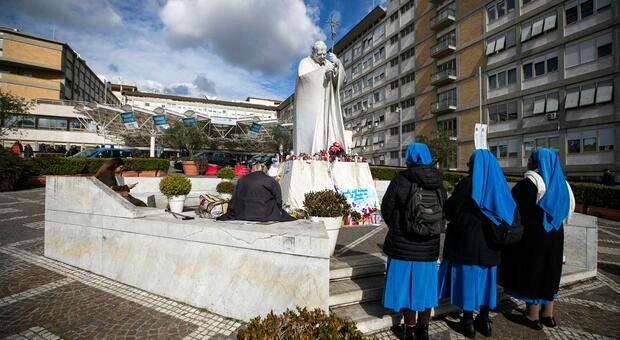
{"x": 502, "y": 79}
{"x": 552, "y": 102}
{"x": 539, "y": 68}
{"x": 407, "y": 103}
{"x": 394, "y": 17}
{"x": 394, "y": 62}
{"x": 407, "y": 79}
{"x": 603, "y": 45}
{"x": 526, "y": 32}
{"x": 579, "y": 9}
{"x": 552, "y": 64}
{"x": 527, "y": 71}
{"x": 539, "y": 104}
{"x": 52, "y": 124}
{"x": 589, "y": 50}
{"x": 590, "y": 141}
{"x": 450, "y": 65}
{"x": 587, "y": 95}
{"x": 408, "y": 29}
{"x": 604, "y": 91}
{"x": 407, "y": 54}
{"x": 394, "y": 39}
{"x": 406, "y": 7}
{"x": 504, "y": 149}
{"x": 502, "y": 112}
{"x": 498, "y": 43}
{"x": 394, "y": 85}
{"x": 499, "y": 9}
{"x": 448, "y": 126}
{"x": 538, "y": 26}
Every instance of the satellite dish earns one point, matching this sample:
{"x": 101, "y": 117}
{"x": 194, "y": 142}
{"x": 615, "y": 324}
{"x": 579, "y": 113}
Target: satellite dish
{"x": 92, "y": 105}
{"x": 189, "y": 113}
{"x": 159, "y": 110}
{"x": 80, "y": 107}
{"x": 126, "y": 107}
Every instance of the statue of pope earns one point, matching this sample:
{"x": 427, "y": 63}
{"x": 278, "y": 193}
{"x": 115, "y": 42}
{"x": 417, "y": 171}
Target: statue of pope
{"x": 318, "y": 116}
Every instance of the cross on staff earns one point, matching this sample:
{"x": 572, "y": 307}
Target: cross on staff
{"x": 332, "y": 26}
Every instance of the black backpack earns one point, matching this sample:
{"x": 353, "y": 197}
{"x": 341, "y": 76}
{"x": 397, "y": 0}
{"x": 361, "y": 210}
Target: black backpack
{"x": 505, "y": 234}
{"x": 424, "y": 215}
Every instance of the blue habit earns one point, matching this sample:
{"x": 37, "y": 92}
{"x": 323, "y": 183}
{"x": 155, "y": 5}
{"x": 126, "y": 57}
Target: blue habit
{"x": 468, "y": 286}
{"x": 418, "y": 153}
{"x": 556, "y": 200}
{"x": 489, "y": 188}
{"x": 411, "y": 285}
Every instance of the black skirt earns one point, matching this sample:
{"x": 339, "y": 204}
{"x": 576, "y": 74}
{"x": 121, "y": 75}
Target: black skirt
{"x": 532, "y": 268}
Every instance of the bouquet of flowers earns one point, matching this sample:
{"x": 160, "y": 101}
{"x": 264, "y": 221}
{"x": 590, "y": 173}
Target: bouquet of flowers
{"x": 336, "y": 150}
{"x": 356, "y": 217}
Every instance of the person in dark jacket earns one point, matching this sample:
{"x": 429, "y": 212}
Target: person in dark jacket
{"x": 257, "y": 197}
{"x": 110, "y": 172}
{"x": 467, "y": 274}
{"x": 411, "y": 278}
{"x": 531, "y": 269}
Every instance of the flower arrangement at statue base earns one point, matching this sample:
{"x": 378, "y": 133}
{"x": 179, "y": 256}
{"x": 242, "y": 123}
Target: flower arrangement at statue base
{"x": 335, "y": 153}
{"x": 367, "y": 216}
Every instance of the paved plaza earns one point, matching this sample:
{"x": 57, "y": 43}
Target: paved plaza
{"x": 45, "y": 299}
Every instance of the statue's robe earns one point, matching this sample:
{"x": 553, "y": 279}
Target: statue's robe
{"x": 318, "y": 114}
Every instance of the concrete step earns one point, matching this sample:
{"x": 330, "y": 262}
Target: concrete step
{"x": 351, "y": 291}
{"x": 355, "y": 266}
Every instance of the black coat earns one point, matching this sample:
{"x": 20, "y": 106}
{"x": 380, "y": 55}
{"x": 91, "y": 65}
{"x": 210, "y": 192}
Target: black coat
{"x": 397, "y": 245}
{"x": 257, "y": 197}
{"x": 468, "y": 236}
{"x": 532, "y": 267}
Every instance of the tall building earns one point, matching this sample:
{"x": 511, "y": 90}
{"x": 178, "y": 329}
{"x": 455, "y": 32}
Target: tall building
{"x": 539, "y": 72}
{"x": 35, "y": 67}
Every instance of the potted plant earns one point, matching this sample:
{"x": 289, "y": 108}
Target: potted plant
{"x": 225, "y": 189}
{"x": 176, "y": 188}
{"x": 226, "y": 174}
{"x": 327, "y": 206}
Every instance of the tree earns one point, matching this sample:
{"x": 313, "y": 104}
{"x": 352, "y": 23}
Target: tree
{"x": 11, "y": 107}
{"x": 185, "y": 136}
{"x": 442, "y": 146}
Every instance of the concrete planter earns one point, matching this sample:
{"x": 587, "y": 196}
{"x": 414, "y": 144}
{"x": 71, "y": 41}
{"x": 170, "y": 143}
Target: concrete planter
{"x": 162, "y": 173}
{"x": 190, "y": 168}
{"x": 35, "y": 180}
{"x": 148, "y": 173}
{"x": 332, "y": 226}
{"x": 608, "y": 213}
{"x": 176, "y": 203}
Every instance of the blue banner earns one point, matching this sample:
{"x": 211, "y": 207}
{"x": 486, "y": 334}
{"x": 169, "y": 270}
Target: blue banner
{"x": 129, "y": 119}
{"x": 160, "y": 121}
{"x": 189, "y": 120}
{"x": 255, "y": 129}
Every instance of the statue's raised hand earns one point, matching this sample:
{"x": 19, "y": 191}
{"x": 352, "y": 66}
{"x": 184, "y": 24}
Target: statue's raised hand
{"x": 333, "y": 58}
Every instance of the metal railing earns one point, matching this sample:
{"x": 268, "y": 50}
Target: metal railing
{"x": 443, "y": 75}
{"x": 445, "y": 44}
{"x": 445, "y": 14}
{"x": 448, "y": 104}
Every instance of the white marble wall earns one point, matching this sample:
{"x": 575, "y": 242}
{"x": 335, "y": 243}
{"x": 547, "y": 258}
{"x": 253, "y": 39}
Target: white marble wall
{"x": 236, "y": 270}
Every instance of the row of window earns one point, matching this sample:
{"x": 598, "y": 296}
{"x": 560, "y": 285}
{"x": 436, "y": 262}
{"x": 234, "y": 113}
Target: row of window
{"x": 45, "y": 123}
{"x": 576, "y": 97}
{"x": 575, "y": 10}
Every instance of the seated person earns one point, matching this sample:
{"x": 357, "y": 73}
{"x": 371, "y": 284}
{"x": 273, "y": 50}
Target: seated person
{"x": 257, "y": 197}
{"x": 109, "y": 174}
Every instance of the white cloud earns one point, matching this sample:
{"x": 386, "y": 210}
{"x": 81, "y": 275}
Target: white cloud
{"x": 256, "y": 35}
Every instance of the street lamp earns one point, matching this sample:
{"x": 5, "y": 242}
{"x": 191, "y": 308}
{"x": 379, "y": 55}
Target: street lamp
{"x": 400, "y": 135}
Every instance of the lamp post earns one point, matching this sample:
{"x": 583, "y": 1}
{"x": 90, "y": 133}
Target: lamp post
{"x": 400, "y": 135}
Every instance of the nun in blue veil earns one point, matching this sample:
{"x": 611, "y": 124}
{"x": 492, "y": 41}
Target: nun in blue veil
{"x": 468, "y": 270}
{"x": 531, "y": 269}
{"x": 411, "y": 275}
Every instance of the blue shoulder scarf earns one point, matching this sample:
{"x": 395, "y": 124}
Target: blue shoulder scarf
{"x": 556, "y": 200}
{"x": 418, "y": 154}
{"x": 489, "y": 188}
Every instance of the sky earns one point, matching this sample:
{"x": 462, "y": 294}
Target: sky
{"x": 224, "y": 49}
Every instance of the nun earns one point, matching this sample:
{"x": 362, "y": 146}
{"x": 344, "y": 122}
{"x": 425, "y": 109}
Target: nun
{"x": 411, "y": 276}
{"x": 531, "y": 269}
{"x": 468, "y": 270}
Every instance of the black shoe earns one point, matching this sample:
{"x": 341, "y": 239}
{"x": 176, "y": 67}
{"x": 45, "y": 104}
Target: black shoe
{"x": 533, "y": 324}
{"x": 482, "y": 326}
{"x": 548, "y": 321}
{"x": 409, "y": 332}
{"x": 467, "y": 329}
{"x": 421, "y": 332}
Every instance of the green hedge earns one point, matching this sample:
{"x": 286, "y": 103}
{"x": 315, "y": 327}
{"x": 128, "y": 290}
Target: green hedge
{"x": 49, "y": 154}
{"x": 75, "y": 165}
{"x": 599, "y": 195}
{"x": 606, "y": 196}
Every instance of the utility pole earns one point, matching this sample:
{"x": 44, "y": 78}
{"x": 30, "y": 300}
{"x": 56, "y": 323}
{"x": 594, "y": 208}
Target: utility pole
{"x": 400, "y": 135}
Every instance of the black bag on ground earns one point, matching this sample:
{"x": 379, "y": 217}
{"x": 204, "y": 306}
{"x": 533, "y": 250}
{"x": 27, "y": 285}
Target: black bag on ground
{"x": 505, "y": 234}
{"x": 424, "y": 214}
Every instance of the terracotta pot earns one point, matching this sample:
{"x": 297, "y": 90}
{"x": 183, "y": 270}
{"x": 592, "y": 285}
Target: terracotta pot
{"x": 130, "y": 173}
{"x": 148, "y": 173}
{"x": 190, "y": 168}
{"x": 35, "y": 180}
{"x": 608, "y": 213}
{"x": 162, "y": 173}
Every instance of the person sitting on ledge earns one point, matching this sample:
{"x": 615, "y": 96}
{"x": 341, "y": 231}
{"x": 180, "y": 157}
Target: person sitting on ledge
{"x": 257, "y": 197}
{"x": 109, "y": 174}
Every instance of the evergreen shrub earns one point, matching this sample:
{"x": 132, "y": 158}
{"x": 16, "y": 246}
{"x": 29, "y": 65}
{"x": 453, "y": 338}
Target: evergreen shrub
{"x": 175, "y": 185}
{"x": 326, "y": 203}
{"x": 225, "y": 187}
{"x": 226, "y": 173}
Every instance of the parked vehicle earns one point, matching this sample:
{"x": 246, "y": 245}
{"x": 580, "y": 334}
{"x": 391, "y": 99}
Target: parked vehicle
{"x": 104, "y": 153}
{"x": 261, "y": 158}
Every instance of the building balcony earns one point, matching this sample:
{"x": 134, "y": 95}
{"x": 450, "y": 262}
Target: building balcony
{"x": 443, "y": 77}
{"x": 443, "y": 48}
{"x": 443, "y": 19}
{"x": 443, "y": 106}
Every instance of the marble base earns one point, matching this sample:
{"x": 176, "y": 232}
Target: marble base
{"x": 237, "y": 270}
